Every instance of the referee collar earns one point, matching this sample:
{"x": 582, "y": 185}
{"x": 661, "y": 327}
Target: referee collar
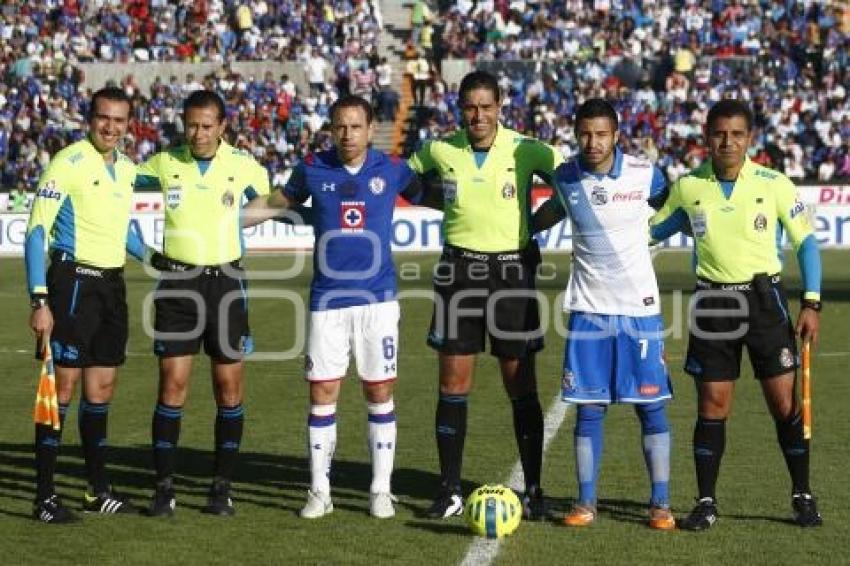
{"x": 616, "y": 167}
{"x": 115, "y": 152}
{"x": 501, "y": 132}
{"x": 746, "y": 170}
{"x": 222, "y": 146}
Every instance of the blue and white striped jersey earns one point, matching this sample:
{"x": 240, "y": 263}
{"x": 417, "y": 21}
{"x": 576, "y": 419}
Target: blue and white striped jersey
{"x": 612, "y": 269}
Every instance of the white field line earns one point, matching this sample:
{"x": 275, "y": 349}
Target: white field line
{"x": 483, "y": 551}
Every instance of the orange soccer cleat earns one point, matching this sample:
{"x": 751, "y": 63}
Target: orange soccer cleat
{"x": 580, "y": 516}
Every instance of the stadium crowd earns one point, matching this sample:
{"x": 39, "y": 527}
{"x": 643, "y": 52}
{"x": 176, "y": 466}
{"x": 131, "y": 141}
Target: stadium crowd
{"x": 43, "y": 105}
{"x": 664, "y": 63}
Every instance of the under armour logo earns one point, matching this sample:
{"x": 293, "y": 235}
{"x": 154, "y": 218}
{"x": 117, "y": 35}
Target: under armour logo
{"x": 328, "y": 187}
{"x": 389, "y": 367}
{"x": 317, "y": 447}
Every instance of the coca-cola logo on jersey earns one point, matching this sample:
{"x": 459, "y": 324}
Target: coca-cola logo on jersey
{"x": 599, "y": 196}
{"x": 627, "y": 197}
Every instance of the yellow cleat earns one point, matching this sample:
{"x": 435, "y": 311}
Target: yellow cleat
{"x": 661, "y": 518}
{"x": 580, "y": 516}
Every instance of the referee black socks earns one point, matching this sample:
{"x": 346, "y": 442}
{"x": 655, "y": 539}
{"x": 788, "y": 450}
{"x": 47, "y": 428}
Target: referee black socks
{"x": 528, "y": 429}
{"x": 796, "y": 451}
{"x": 93, "y": 422}
{"x": 229, "y": 422}
{"x": 165, "y": 432}
{"x": 451, "y": 434}
{"x": 47, "y": 443}
{"x": 709, "y": 444}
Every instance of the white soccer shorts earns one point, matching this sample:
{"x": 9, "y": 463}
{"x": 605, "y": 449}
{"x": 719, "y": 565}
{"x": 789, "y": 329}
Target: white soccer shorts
{"x": 370, "y": 332}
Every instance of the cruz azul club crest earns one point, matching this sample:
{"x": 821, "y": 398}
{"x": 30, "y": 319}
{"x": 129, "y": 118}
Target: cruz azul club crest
{"x": 352, "y": 216}
{"x": 173, "y": 196}
{"x": 377, "y": 185}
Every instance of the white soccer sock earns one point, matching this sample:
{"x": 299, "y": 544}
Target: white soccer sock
{"x": 382, "y": 435}
{"x": 321, "y": 438}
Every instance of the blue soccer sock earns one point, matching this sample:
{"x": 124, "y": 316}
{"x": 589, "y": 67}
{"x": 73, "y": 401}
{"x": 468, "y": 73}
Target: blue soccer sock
{"x": 588, "y": 450}
{"x": 656, "y": 450}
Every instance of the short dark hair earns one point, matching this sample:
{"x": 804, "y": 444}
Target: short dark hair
{"x": 476, "y": 80}
{"x": 596, "y": 108}
{"x": 729, "y": 108}
{"x": 112, "y": 93}
{"x": 204, "y": 99}
{"x": 351, "y": 101}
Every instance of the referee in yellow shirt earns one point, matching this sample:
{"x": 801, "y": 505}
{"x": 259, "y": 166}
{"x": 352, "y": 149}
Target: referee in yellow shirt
{"x": 484, "y": 284}
{"x": 201, "y": 295}
{"x": 81, "y": 214}
{"x": 738, "y": 211}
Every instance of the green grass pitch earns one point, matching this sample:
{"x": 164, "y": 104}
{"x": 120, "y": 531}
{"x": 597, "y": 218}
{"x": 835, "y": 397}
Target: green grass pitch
{"x": 272, "y": 475}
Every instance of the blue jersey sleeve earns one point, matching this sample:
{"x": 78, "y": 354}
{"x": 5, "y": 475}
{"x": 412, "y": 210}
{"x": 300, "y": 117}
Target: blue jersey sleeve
{"x": 673, "y": 224}
{"x": 135, "y": 243}
{"x": 658, "y": 190}
{"x": 296, "y": 187}
{"x": 808, "y": 257}
{"x": 34, "y": 259}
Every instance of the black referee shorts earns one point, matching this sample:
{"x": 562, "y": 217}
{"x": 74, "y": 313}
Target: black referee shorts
{"x": 726, "y": 317}
{"x": 207, "y": 305}
{"x": 89, "y": 306}
{"x": 480, "y": 295}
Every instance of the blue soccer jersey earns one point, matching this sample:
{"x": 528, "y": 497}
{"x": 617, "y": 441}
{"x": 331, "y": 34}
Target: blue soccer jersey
{"x": 353, "y": 212}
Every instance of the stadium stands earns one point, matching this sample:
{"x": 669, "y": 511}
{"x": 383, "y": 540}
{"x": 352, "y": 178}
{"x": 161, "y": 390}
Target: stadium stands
{"x": 43, "y": 105}
{"x": 663, "y": 61}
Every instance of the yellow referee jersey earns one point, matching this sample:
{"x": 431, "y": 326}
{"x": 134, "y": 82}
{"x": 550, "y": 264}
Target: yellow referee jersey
{"x": 203, "y": 201}
{"x": 738, "y": 237}
{"x": 81, "y": 207}
{"x": 487, "y": 208}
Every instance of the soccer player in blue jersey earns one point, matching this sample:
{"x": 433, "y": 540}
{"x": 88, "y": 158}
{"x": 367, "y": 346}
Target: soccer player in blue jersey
{"x": 614, "y": 350}
{"x": 81, "y": 213}
{"x": 353, "y": 306}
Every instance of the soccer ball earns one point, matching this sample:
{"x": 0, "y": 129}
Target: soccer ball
{"x": 493, "y": 511}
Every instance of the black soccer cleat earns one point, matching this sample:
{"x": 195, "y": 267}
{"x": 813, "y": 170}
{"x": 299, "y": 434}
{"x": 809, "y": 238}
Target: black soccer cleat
{"x": 107, "y": 503}
{"x": 219, "y": 501}
{"x": 163, "y": 502}
{"x": 806, "y": 510}
{"x": 533, "y": 504}
{"x": 51, "y": 510}
{"x": 448, "y": 503}
{"x": 702, "y": 517}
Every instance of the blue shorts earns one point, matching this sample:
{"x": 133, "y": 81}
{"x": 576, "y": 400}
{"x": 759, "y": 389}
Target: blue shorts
{"x": 615, "y": 359}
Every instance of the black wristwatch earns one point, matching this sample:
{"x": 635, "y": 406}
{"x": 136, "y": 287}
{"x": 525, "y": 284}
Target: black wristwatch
{"x": 810, "y": 304}
{"x": 38, "y": 301}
